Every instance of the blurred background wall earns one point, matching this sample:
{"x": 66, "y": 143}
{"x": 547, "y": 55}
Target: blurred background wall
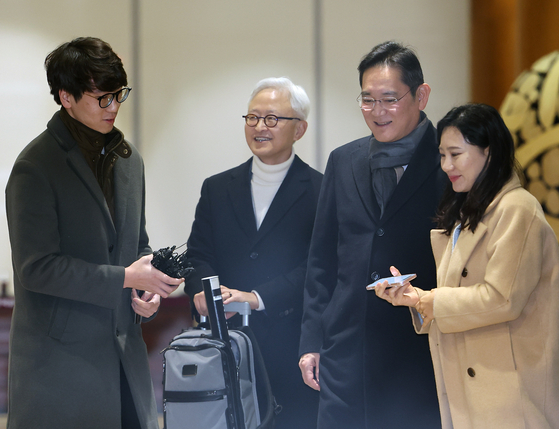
{"x": 192, "y": 66}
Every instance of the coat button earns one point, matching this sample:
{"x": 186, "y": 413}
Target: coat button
{"x": 464, "y": 272}
{"x": 253, "y": 255}
{"x": 375, "y": 276}
{"x": 471, "y": 372}
{"x": 285, "y": 313}
{"x": 111, "y": 247}
{"x": 380, "y": 232}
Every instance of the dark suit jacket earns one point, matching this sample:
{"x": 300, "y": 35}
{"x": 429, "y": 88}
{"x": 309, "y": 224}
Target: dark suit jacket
{"x": 373, "y": 367}
{"x": 272, "y": 260}
{"x": 72, "y": 323}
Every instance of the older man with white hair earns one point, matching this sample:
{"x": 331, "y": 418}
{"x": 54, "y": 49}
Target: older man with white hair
{"x": 253, "y": 227}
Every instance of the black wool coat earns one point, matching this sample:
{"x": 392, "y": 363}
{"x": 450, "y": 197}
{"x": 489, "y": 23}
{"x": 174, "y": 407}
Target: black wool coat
{"x": 271, "y": 260}
{"x": 372, "y": 364}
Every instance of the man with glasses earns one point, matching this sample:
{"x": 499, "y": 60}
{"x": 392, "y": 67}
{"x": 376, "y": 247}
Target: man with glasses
{"x": 253, "y": 227}
{"x": 75, "y": 209}
{"x": 376, "y": 206}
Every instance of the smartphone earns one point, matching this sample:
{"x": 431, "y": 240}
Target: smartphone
{"x": 393, "y": 281}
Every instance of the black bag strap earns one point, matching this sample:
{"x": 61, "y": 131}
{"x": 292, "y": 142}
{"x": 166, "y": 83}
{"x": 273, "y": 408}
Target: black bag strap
{"x": 263, "y": 387}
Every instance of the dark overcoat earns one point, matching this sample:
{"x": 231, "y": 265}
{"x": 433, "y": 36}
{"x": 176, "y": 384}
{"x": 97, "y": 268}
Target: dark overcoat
{"x": 271, "y": 260}
{"x": 72, "y": 323}
{"x": 375, "y": 372}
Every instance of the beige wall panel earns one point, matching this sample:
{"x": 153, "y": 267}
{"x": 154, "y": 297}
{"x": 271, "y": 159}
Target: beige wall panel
{"x": 200, "y": 62}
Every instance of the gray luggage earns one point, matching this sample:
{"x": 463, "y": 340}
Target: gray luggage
{"x": 210, "y": 382}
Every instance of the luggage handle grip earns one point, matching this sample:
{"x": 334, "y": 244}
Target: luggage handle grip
{"x": 243, "y": 308}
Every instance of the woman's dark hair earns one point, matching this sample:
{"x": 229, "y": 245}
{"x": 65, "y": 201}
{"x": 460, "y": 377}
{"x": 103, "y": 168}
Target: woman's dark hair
{"x": 84, "y": 64}
{"x": 395, "y": 55}
{"x": 482, "y": 126}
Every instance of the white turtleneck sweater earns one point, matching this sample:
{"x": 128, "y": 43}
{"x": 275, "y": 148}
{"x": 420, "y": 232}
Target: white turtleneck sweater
{"x": 265, "y": 182}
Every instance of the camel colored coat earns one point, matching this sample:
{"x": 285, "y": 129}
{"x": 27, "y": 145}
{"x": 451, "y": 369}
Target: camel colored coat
{"x": 495, "y": 337}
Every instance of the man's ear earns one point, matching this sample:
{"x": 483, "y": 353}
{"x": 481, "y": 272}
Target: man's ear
{"x": 422, "y": 95}
{"x": 65, "y": 98}
{"x": 301, "y": 129}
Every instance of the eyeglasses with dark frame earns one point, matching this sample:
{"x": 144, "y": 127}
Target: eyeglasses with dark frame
{"x": 269, "y": 120}
{"x": 106, "y": 99}
{"x": 368, "y": 103}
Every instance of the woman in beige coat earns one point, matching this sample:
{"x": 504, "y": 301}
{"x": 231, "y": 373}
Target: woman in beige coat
{"x": 493, "y": 320}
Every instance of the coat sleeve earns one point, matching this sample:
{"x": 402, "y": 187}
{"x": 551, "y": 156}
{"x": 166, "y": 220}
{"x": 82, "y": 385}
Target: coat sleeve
{"x": 143, "y": 241}
{"x": 40, "y": 264}
{"x": 200, "y": 245}
{"x": 418, "y": 325}
{"x": 508, "y": 267}
{"x": 283, "y": 294}
{"x": 322, "y": 269}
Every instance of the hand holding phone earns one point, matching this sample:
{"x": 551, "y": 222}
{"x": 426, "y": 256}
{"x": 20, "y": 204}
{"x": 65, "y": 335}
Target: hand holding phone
{"x": 396, "y": 281}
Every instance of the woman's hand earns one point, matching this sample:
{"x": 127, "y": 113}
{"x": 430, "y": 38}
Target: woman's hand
{"x": 402, "y": 295}
{"x": 425, "y": 306}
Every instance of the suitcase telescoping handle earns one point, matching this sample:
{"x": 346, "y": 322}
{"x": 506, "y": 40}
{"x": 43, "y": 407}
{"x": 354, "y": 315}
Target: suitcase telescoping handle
{"x": 214, "y": 302}
{"x": 243, "y": 308}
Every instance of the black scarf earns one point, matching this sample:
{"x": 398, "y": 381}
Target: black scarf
{"x": 386, "y": 161}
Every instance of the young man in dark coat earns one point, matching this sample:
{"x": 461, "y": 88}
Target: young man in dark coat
{"x": 377, "y": 201}
{"x": 253, "y": 227}
{"x": 75, "y": 207}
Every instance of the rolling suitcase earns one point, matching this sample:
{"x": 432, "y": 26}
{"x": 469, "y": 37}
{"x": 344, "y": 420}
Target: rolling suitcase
{"x": 210, "y": 379}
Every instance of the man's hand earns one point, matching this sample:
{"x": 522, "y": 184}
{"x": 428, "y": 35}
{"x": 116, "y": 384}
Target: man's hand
{"x": 228, "y": 296}
{"x": 200, "y": 304}
{"x": 145, "y": 305}
{"x": 234, "y": 295}
{"x": 309, "y": 369}
{"x": 142, "y": 275}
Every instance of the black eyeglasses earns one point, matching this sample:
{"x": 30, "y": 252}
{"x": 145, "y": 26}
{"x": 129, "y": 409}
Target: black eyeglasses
{"x": 106, "y": 99}
{"x": 367, "y": 103}
{"x": 269, "y": 120}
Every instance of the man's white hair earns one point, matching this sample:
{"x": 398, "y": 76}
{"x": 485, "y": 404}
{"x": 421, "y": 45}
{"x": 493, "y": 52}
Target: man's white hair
{"x": 297, "y": 96}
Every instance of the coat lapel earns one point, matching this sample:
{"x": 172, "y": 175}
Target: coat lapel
{"x": 291, "y": 189}
{"x": 451, "y": 264}
{"x": 241, "y": 198}
{"x": 122, "y": 190}
{"x": 78, "y": 164}
{"x": 422, "y": 164}
{"x": 362, "y": 177}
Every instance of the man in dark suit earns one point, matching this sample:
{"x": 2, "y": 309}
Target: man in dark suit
{"x": 376, "y": 205}
{"x": 75, "y": 208}
{"x": 253, "y": 227}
